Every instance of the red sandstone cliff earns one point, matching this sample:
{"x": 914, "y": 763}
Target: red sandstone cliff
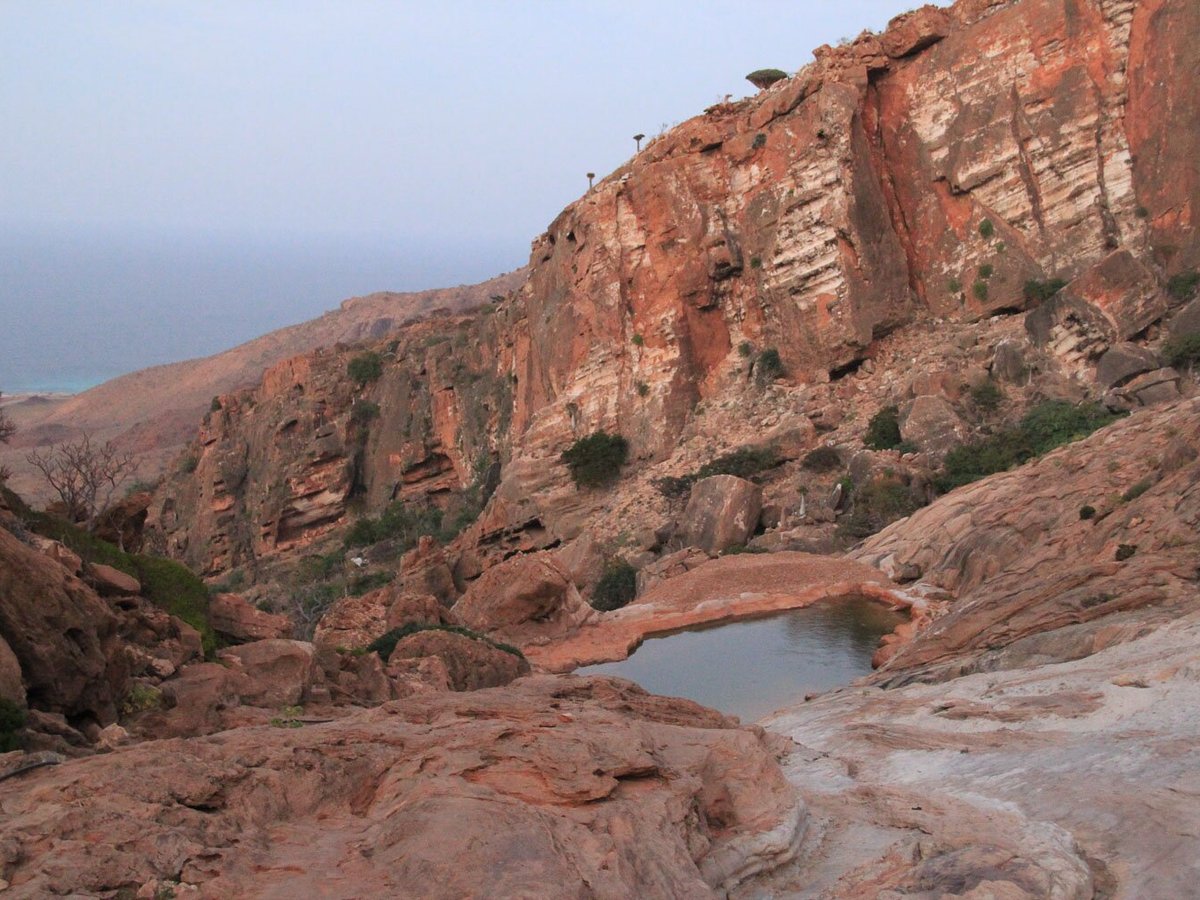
{"x": 920, "y": 175}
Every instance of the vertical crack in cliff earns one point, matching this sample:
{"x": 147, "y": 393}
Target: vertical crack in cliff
{"x": 1108, "y": 223}
{"x": 872, "y": 124}
{"x": 1018, "y": 124}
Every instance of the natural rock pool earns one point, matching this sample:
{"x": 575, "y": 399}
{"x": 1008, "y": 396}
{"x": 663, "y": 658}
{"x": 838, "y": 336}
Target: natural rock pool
{"x": 753, "y": 667}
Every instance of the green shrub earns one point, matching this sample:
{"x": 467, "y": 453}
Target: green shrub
{"x": 1046, "y": 426}
{"x": 363, "y": 412}
{"x": 1138, "y": 489}
{"x": 12, "y": 720}
{"x": 822, "y": 459}
{"x": 1087, "y": 512}
{"x": 760, "y": 141}
{"x": 987, "y": 396}
{"x": 172, "y": 586}
{"x": 365, "y": 367}
{"x": 986, "y": 271}
{"x": 876, "y": 505}
{"x": 386, "y": 643}
{"x": 768, "y": 366}
{"x": 596, "y": 460}
{"x": 616, "y": 587}
{"x": 954, "y": 286}
{"x": 1041, "y": 291}
{"x": 643, "y": 389}
{"x": 745, "y": 348}
{"x": 883, "y": 431}
{"x": 1183, "y": 351}
{"x": 756, "y": 262}
{"x": 215, "y": 405}
{"x": 638, "y": 340}
{"x": 1125, "y": 551}
{"x": 407, "y": 524}
{"x": 188, "y": 464}
{"x": 980, "y": 290}
{"x": 1183, "y": 285}
{"x": 744, "y": 462}
{"x": 1057, "y": 422}
{"x": 986, "y": 229}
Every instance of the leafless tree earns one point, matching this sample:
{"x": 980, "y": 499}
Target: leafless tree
{"x": 85, "y": 475}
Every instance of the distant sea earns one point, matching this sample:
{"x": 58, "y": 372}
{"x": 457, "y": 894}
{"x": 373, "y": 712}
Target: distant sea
{"x": 77, "y": 309}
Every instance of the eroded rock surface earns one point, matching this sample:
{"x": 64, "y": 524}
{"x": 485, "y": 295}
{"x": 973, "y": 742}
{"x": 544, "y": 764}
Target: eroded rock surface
{"x": 553, "y": 788}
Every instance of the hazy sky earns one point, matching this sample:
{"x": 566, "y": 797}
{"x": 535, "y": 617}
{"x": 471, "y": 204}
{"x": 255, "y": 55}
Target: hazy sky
{"x": 450, "y": 133}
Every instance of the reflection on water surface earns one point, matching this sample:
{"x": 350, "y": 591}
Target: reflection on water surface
{"x": 754, "y": 667}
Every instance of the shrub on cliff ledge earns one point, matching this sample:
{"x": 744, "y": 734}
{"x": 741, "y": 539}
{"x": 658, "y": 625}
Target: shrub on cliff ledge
{"x": 365, "y": 367}
{"x": 596, "y": 460}
{"x": 616, "y": 587}
{"x": 883, "y": 431}
{"x": 1183, "y": 352}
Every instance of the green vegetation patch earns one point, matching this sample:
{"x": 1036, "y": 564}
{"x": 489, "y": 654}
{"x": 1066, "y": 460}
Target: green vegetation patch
{"x": 596, "y": 460}
{"x": 1045, "y": 427}
{"x": 1041, "y": 291}
{"x": 365, "y": 368}
{"x": 12, "y": 720}
{"x": 883, "y": 431}
{"x": 822, "y": 459}
{"x": 744, "y": 462}
{"x": 617, "y": 586}
{"x": 1183, "y": 351}
{"x": 876, "y": 505}
{"x": 1183, "y": 285}
{"x": 768, "y": 366}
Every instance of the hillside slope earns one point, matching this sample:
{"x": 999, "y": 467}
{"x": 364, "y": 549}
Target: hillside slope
{"x": 154, "y": 411}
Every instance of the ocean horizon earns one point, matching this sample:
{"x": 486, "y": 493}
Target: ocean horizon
{"x": 82, "y": 308}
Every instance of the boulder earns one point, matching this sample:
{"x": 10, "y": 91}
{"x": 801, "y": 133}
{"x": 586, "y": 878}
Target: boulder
{"x": 110, "y": 582}
{"x": 424, "y": 570}
{"x": 60, "y": 553}
{"x": 356, "y": 621}
{"x": 63, "y": 635}
{"x": 11, "y": 687}
{"x": 1122, "y": 362}
{"x": 1187, "y": 320}
{"x": 722, "y": 512}
{"x": 1124, "y": 290}
{"x": 1150, "y": 388}
{"x": 232, "y": 617}
{"x": 1008, "y": 362}
{"x": 279, "y": 672}
{"x": 195, "y": 702}
{"x": 915, "y": 31}
{"x": 470, "y": 663}
{"x": 525, "y": 598}
{"x": 932, "y": 424}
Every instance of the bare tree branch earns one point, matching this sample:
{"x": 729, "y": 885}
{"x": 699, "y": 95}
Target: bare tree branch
{"x": 7, "y": 427}
{"x": 84, "y": 475}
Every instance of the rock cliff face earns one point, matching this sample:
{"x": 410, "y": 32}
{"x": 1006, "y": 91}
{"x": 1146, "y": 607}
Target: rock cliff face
{"x": 929, "y": 172}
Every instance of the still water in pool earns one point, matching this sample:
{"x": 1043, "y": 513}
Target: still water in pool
{"x": 754, "y": 667}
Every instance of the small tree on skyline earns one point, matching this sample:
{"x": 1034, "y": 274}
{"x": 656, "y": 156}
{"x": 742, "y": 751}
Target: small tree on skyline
{"x": 7, "y": 430}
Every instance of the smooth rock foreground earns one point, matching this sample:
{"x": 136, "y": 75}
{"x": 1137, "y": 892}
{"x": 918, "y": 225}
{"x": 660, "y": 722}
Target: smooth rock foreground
{"x": 551, "y": 787}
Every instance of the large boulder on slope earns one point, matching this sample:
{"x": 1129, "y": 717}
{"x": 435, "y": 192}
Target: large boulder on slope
{"x": 722, "y": 512}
